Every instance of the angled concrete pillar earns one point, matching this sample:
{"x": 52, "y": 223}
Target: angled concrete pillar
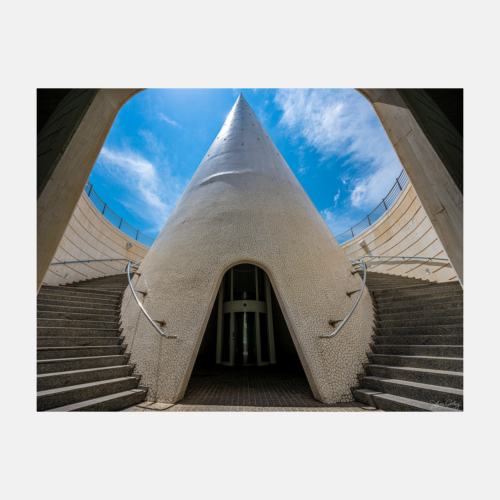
{"x": 423, "y": 162}
{"x": 245, "y": 205}
{"x": 67, "y": 148}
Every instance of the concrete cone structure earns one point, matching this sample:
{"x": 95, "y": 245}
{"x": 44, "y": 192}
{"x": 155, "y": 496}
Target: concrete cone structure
{"x": 245, "y": 205}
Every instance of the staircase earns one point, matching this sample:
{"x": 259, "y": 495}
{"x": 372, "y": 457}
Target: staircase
{"x": 82, "y": 365}
{"x": 416, "y": 363}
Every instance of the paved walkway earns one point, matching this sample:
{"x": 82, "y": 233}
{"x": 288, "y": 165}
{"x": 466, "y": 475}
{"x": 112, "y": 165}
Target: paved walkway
{"x": 256, "y": 389}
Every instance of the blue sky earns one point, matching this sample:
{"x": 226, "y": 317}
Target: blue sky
{"x": 330, "y": 138}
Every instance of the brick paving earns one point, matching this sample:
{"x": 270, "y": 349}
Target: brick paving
{"x": 255, "y": 389}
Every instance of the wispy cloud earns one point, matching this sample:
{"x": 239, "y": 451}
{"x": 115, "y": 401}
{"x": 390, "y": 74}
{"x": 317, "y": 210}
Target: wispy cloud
{"x": 336, "y": 197}
{"x": 341, "y": 123}
{"x": 154, "y": 190}
{"x": 165, "y": 118}
{"x": 335, "y": 221}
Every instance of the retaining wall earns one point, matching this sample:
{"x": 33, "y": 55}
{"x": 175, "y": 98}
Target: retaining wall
{"x": 404, "y": 230}
{"x": 90, "y": 235}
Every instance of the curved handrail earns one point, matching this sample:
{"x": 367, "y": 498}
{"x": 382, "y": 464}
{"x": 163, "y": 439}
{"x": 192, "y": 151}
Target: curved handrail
{"x": 141, "y": 306}
{"x": 91, "y": 260}
{"x": 352, "y": 308}
{"x": 399, "y": 257}
{"x": 378, "y": 212}
{"x": 118, "y": 222}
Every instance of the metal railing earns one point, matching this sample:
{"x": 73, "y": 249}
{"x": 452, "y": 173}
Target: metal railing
{"x": 152, "y": 321}
{"x": 355, "y": 303}
{"x": 380, "y": 210}
{"x": 398, "y": 257}
{"x": 90, "y": 260}
{"x": 115, "y": 220}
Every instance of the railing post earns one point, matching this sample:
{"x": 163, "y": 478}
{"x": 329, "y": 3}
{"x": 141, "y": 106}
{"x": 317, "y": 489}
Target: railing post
{"x": 352, "y": 232}
{"x": 399, "y": 185}
{"x": 383, "y": 201}
{"x": 90, "y": 190}
{"x": 369, "y": 221}
{"x": 137, "y": 236}
{"x": 104, "y": 209}
{"x": 121, "y": 220}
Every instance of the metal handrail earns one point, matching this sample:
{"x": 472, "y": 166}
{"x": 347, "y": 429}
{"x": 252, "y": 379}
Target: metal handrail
{"x": 399, "y": 257}
{"x": 142, "y": 307}
{"x": 352, "y": 308}
{"x": 374, "y": 215}
{"x": 114, "y": 219}
{"x": 91, "y": 260}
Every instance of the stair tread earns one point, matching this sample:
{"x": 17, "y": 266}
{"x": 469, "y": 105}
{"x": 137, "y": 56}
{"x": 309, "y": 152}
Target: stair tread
{"x": 407, "y": 401}
{"x": 90, "y": 402}
{"x": 85, "y": 358}
{"x": 70, "y": 388}
{"x": 421, "y": 370}
{"x": 87, "y": 370}
{"x": 438, "y": 388}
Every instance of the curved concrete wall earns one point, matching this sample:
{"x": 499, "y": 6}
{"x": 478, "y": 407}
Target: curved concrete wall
{"x": 245, "y": 205}
{"x": 404, "y": 230}
{"x": 89, "y": 235}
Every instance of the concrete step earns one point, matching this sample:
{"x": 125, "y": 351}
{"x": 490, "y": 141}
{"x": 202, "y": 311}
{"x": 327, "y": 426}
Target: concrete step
{"x": 395, "y": 281}
{"x": 447, "y": 351}
{"x": 419, "y": 340}
{"x": 78, "y": 300}
{"x": 420, "y": 330}
{"x": 427, "y": 362}
{"x": 79, "y": 291}
{"x": 78, "y": 341}
{"x": 72, "y": 316}
{"x": 421, "y": 375}
{"x": 77, "y": 308}
{"x": 61, "y": 323}
{"x": 64, "y": 396}
{"x": 419, "y": 304}
{"x": 121, "y": 280}
{"x": 390, "y": 287}
{"x": 429, "y": 312}
{"x": 428, "y": 393}
{"x": 54, "y": 380}
{"x": 78, "y": 352}
{"x": 390, "y": 402}
{"x": 113, "y": 402}
{"x": 54, "y": 331}
{"x": 69, "y": 364}
{"x": 109, "y": 279}
{"x": 415, "y": 322}
{"x": 430, "y": 290}
{"x": 99, "y": 288}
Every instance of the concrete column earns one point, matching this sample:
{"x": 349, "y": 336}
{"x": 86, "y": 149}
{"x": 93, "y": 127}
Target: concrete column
{"x": 435, "y": 188}
{"x": 68, "y": 147}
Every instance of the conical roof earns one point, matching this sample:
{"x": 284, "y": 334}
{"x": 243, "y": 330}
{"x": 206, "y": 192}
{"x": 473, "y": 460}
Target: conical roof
{"x": 243, "y": 146}
{"x": 245, "y": 205}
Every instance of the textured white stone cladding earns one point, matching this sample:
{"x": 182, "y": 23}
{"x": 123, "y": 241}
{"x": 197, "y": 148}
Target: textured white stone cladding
{"x": 89, "y": 235}
{"x": 245, "y": 205}
{"x": 404, "y": 230}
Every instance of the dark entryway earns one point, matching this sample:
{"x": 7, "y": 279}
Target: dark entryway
{"x": 281, "y": 382}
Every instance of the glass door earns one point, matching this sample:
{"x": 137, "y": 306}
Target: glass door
{"x": 244, "y": 330}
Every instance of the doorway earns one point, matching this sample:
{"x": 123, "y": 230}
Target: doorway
{"x": 245, "y": 334}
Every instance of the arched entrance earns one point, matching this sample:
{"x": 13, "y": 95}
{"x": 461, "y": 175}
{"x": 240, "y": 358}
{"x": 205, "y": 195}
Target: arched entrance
{"x": 247, "y": 356}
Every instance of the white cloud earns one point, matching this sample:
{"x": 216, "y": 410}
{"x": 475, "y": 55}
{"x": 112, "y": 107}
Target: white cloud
{"x": 336, "y": 197}
{"x": 335, "y": 221}
{"x": 150, "y": 192}
{"x": 165, "y": 118}
{"x": 152, "y": 143}
{"x": 341, "y": 123}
